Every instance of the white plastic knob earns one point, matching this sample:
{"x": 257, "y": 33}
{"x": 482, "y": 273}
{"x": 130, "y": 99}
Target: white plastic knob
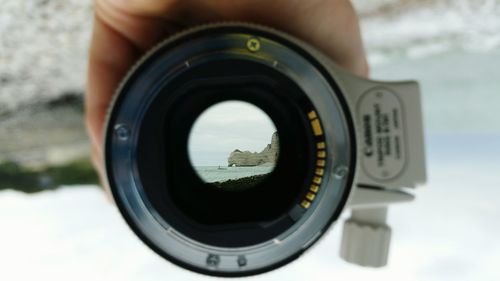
{"x": 365, "y": 243}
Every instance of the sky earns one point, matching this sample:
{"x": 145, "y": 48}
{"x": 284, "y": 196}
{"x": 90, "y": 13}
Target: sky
{"x": 227, "y": 126}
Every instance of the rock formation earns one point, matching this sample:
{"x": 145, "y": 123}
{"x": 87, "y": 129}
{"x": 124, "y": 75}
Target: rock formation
{"x": 267, "y": 157}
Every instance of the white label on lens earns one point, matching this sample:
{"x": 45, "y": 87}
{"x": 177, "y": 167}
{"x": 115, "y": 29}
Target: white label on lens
{"x": 382, "y": 138}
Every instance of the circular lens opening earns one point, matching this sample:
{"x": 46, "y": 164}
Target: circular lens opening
{"x": 169, "y": 145}
{"x": 233, "y": 146}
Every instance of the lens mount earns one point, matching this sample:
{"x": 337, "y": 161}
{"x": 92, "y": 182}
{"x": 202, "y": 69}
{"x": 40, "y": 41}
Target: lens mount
{"x": 155, "y": 186}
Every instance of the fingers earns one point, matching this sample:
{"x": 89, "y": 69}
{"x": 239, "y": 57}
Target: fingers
{"x": 118, "y": 40}
{"x": 98, "y": 163}
{"x": 145, "y": 8}
{"x": 333, "y": 27}
{"x": 330, "y": 25}
{"x": 140, "y": 29}
{"x": 110, "y": 57}
{"x": 337, "y": 33}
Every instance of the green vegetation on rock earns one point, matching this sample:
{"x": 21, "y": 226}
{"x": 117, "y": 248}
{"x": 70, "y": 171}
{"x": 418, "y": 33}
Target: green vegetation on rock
{"x": 241, "y": 183}
{"x": 16, "y": 177}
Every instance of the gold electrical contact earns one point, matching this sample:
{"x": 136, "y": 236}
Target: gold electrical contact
{"x": 320, "y": 162}
{"x": 305, "y": 204}
{"x": 314, "y": 188}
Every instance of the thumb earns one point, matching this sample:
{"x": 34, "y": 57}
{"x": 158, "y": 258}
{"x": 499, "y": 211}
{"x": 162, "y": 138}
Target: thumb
{"x": 148, "y": 8}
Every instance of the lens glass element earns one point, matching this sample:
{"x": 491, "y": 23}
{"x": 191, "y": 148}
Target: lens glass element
{"x": 233, "y": 145}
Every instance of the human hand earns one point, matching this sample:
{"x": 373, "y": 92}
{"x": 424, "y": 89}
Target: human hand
{"x": 126, "y": 29}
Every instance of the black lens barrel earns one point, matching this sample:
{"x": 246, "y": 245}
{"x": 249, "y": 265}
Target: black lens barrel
{"x": 155, "y": 185}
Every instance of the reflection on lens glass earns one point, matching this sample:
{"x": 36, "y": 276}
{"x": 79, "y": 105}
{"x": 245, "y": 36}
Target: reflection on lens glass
{"x": 233, "y": 145}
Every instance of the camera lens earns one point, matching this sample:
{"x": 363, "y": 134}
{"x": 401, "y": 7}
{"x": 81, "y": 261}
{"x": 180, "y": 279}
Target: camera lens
{"x": 183, "y": 106}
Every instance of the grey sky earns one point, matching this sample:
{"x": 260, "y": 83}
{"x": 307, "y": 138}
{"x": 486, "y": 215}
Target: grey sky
{"x": 225, "y": 127}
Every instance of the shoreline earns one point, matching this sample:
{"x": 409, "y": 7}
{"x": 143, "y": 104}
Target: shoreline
{"x": 241, "y": 183}
{"x": 32, "y": 180}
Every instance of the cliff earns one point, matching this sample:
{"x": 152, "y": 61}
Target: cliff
{"x": 267, "y": 157}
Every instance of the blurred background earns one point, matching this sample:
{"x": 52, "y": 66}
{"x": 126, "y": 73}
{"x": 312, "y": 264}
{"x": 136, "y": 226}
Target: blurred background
{"x": 57, "y": 224}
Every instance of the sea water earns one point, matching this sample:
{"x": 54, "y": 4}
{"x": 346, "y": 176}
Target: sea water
{"x": 222, "y": 173}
